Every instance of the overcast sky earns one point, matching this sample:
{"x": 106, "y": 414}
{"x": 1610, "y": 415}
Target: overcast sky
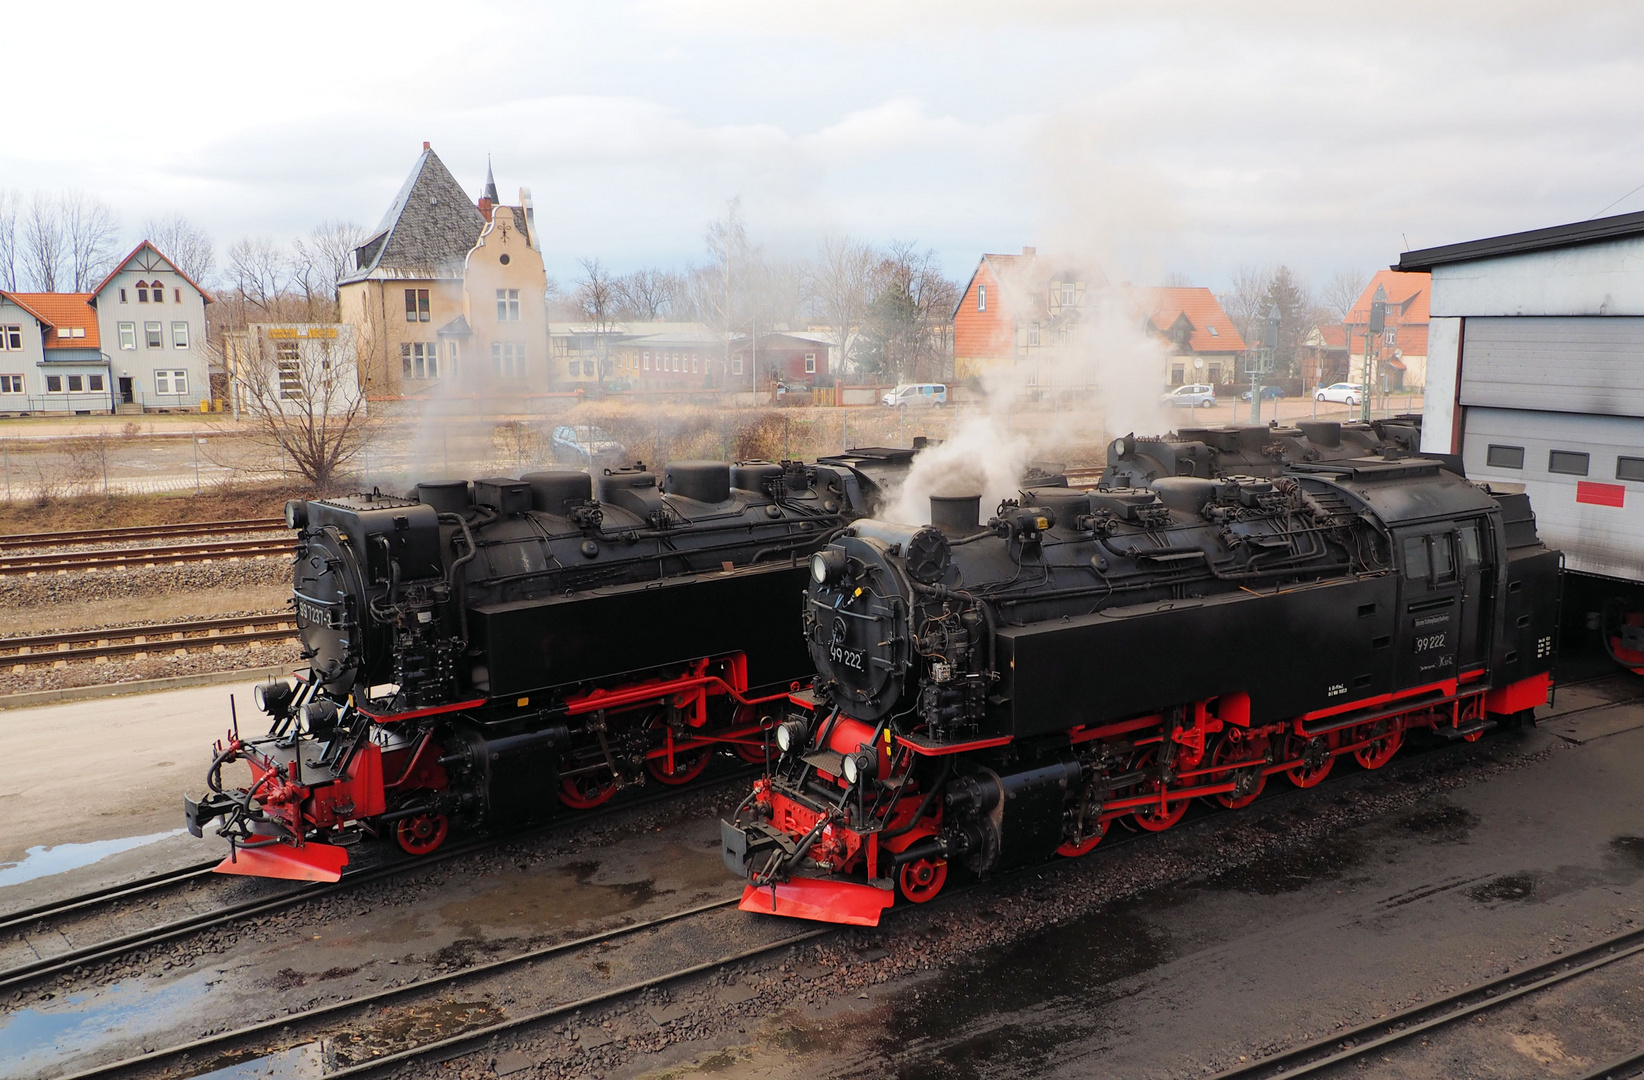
{"x": 1161, "y": 137}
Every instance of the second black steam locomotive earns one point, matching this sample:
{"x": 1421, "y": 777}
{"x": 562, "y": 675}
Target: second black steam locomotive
{"x": 996, "y": 693}
{"x": 477, "y": 649}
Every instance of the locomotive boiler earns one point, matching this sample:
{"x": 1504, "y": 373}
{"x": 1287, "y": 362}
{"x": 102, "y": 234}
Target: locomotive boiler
{"x": 998, "y": 693}
{"x": 479, "y": 652}
{"x": 1253, "y": 450}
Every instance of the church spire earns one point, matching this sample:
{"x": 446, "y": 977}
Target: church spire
{"x": 490, "y": 182}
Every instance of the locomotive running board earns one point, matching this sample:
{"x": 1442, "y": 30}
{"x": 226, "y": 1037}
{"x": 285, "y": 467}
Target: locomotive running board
{"x": 822, "y": 901}
{"x": 311, "y": 862}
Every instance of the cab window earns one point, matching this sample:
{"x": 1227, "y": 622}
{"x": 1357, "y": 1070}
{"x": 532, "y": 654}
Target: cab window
{"x": 1416, "y": 566}
{"x": 1444, "y": 560}
{"x": 1467, "y": 544}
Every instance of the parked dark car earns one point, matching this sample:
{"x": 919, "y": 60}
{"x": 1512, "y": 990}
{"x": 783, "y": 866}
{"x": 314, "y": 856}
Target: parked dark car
{"x": 1268, "y": 393}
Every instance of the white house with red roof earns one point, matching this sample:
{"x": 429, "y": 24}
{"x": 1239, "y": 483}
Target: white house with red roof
{"x": 1204, "y": 346}
{"x": 132, "y": 344}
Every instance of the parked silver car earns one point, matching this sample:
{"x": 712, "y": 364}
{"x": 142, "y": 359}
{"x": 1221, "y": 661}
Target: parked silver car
{"x": 586, "y": 445}
{"x": 1195, "y": 395}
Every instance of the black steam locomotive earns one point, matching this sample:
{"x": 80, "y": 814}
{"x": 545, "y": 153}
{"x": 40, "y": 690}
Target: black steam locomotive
{"x": 477, "y": 648}
{"x": 998, "y": 693}
{"x": 1253, "y": 450}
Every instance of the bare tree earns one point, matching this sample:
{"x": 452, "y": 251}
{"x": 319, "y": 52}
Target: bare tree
{"x": 258, "y": 273}
{"x": 189, "y": 247}
{"x": 597, "y": 294}
{"x": 648, "y": 294}
{"x": 91, "y": 235}
{"x": 304, "y": 400}
{"x": 1246, "y": 300}
{"x": 907, "y": 324}
{"x": 1175, "y": 279}
{"x": 842, "y": 285}
{"x": 10, "y": 205}
{"x": 43, "y": 243}
{"x": 1341, "y": 292}
{"x": 319, "y": 260}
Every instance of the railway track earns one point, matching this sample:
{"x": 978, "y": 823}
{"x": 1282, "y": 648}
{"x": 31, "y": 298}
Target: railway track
{"x": 1324, "y": 1056}
{"x": 40, "y": 920}
{"x": 146, "y": 638}
{"x": 63, "y": 562}
{"x": 23, "y": 541}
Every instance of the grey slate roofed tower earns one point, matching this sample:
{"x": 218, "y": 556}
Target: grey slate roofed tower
{"x": 490, "y": 183}
{"x": 427, "y": 231}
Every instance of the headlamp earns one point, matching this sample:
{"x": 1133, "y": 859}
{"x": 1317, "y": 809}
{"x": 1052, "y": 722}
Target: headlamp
{"x": 827, "y": 566}
{"x": 789, "y": 734}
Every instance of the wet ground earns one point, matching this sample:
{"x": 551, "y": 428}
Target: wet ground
{"x": 1169, "y": 956}
{"x": 1183, "y": 979}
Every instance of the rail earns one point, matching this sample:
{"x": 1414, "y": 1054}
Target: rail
{"x": 139, "y": 532}
{"x": 117, "y": 558}
{"x": 146, "y": 638}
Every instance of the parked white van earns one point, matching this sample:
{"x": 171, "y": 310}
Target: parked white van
{"x": 916, "y": 394}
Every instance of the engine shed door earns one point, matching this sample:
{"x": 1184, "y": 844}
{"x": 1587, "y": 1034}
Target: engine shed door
{"x": 1431, "y": 613}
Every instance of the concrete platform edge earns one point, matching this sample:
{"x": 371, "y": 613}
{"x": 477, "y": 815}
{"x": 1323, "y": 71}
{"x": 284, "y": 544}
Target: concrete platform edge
{"x": 139, "y": 686}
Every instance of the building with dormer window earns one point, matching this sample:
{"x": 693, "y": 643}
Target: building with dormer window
{"x": 130, "y": 345}
{"x": 1019, "y": 308}
{"x": 447, "y": 294}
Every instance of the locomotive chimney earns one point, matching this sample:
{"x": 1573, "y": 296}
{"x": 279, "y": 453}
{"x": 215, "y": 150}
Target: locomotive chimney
{"x": 958, "y": 514}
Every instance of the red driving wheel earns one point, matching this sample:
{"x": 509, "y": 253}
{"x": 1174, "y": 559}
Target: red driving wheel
{"x": 759, "y": 747}
{"x": 1386, "y": 735}
{"x": 586, "y": 791}
{"x": 687, "y": 764}
{"x": 1155, "y": 817}
{"x": 1072, "y": 849}
{"x": 1236, "y": 747}
{"x": 421, "y": 834}
{"x": 922, "y": 879}
{"x": 1306, "y": 776}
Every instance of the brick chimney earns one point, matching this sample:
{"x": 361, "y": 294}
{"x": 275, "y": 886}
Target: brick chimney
{"x": 425, "y": 145}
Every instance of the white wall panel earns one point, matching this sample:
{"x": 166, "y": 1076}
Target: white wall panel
{"x": 1592, "y": 279}
{"x": 1586, "y": 365}
{"x": 1595, "y": 538}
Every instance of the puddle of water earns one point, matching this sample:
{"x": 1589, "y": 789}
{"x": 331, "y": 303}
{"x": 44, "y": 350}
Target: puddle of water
{"x": 1440, "y": 822}
{"x": 297, "y": 1063}
{"x": 43, "y": 861}
{"x": 1520, "y": 886}
{"x": 79, "y": 1023}
{"x": 1290, "y": 870}
{"x": 1054, "y": 980}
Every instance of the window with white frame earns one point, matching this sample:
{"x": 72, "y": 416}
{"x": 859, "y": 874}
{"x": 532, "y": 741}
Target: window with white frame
{"x": 152, "y": 337}
{"x": 128, "y": 335}
{"x": 54, "y": 384}
{"x": 179, "y": 335}
{"x": 507, "y": 305}
{"x": 11, "y": 384}
{"x": 736, "y": 365}
{"x": 420, "y": 360}
{"x": 76, "y": 383}
{"x": 288, "y": 368}
{"x": 171, "y": 382}
{"x": 142, "y": 292}
{"x": 11, "y": 338}
{"x": 451, "y": 359}
{"x": 981, "y": 298}
{"x": 810, "y": 363}
{"x": 572, "y": 367}
{"x": 507, "y": 358}
{"x": 177, "y": 296}
{"x": 158, "y": 293}
{"x": 122, "y": 296}
{"x": 645, "y": 359}
{"x": 94, "y": 384}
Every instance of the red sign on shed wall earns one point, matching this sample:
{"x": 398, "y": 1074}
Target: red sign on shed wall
{"x": 1600, "y": 494}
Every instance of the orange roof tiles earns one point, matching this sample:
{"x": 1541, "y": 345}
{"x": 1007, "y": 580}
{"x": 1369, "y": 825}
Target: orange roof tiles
{"x": 1407, "y": 309}
{"x": 73, "y": 320}
{"x": 1212, "y": 331}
